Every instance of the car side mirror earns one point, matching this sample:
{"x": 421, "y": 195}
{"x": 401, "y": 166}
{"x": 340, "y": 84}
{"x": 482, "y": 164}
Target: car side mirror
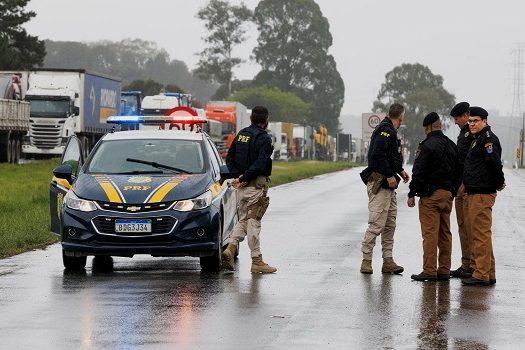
{"x": 64, "y": 171}
{"x": 76, "y": 110}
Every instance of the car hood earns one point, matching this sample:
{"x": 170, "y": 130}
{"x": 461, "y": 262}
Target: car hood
{"x": 139, "y": 188}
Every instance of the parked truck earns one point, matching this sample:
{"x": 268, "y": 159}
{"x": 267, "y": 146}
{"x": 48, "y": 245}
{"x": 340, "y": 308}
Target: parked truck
{"x": 14, "y": 117}
{"x": 282, "y": 134}
{"x": 66, "y": 102}
{"x": 233, "y": 117}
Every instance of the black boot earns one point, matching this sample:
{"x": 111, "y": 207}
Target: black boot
{"x": 475, "y": 282}
{"x": 424, "y": 277}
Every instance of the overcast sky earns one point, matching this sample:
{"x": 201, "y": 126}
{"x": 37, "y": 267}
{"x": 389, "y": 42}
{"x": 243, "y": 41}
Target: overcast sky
{"x": 467, "y": 42}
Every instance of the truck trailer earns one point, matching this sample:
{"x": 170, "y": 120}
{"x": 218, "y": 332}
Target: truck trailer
{"x": 66, "y": 102}
{"x": 14, "y": 117}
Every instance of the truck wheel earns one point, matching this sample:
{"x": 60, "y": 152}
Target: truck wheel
{"x": 10, "y": 150}
{"x": 73, "y": 262}
{"x": 18, "y": 150}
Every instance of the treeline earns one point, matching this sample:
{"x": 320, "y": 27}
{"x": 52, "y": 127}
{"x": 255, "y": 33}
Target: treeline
{"x": 131, "y": 60}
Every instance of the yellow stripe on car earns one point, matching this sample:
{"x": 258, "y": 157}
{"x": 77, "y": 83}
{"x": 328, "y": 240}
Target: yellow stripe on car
{"x": 109, "y": 189}
{"x": 162, "y": 191}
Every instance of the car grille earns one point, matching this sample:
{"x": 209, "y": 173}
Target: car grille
{"x": 134, "y": 208}
{"x": 159, "y": 225}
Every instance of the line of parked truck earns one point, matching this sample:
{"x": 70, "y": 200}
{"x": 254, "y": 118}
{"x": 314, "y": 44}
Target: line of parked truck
{"x": 41, "y": 108}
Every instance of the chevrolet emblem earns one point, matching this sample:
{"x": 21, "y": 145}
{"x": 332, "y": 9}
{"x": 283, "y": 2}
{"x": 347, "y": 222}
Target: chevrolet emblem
{"x": 133, "y": 208}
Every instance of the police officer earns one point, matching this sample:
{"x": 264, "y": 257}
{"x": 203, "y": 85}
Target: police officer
{"x": 435, "y": 179}
{"x": 460, "y": 113}
{"x": 482, "y": 177}
{"x": 249, "y": 157}
{"x": 381, "y": 179}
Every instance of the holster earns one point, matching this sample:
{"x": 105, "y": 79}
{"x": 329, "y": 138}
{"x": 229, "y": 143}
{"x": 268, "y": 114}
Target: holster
{"x": 376, "y": 180}
{"x": 256, "y": 210}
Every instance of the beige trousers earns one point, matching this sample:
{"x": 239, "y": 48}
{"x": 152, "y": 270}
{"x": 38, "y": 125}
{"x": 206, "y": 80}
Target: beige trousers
{"x": 382, "y": 212}
{"x": 247, "y": 199}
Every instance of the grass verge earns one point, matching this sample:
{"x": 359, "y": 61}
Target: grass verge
{"x": 24, "y": 199}
{"x": 24, "y": 207}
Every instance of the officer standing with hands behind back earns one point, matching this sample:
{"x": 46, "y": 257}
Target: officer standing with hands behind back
{"x": 249, "y": 158}
{"x": 435, "y": 179}
{"x": 482, "y": 177}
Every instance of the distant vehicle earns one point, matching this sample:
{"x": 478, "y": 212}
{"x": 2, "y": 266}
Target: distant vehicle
{"x": 155, "y": 192}
{"x": 283, "y": 136}
{"x": 162, "y": 103}
{"x": 131, "y": 103}
{"x": 233, "y": 117}
{"x": 67, "y": 102}
{"x": 14, "y": 117}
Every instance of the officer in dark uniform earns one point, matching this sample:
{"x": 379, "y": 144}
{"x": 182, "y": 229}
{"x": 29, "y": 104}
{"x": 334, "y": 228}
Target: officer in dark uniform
{"x": 249, "y": 158}
{"x": 435, "y": 179}
{"x": 381, "y": 178}
{"x": 460, "y": 113}
{"x": 482, "y": 177}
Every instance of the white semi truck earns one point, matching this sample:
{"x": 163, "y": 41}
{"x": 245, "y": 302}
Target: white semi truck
{"x": 66, "y": 102}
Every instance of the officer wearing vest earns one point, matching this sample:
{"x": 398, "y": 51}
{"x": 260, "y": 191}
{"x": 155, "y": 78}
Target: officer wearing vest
{"x": 482, "y": 177}
{"x": 381, "y": 179}
{"x": 435, "y": 179}
{"x": 249, "y": 158}
{"x": 460, "y": 113}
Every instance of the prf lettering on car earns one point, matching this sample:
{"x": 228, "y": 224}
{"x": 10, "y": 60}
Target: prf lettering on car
{"x": 243, "y": 138}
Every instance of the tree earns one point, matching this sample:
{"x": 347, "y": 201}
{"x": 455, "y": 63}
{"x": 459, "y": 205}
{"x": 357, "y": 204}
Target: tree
{"x": 293, "y": 43}
{"x": 283, "y": 106}
{"x": 18, "y": 49}
{"x": 148, "y": 87}
{"x": 421, "y": 92}
{"x": 226, "y": 26}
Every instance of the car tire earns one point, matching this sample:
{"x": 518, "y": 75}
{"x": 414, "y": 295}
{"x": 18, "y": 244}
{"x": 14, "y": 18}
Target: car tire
{"x": 102, "y": 263}
{"x": 73, "y": 263}
{"x": 213, "y": 262}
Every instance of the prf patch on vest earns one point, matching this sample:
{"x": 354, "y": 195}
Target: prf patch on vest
{"x": 489, "y": 147}
{"x": 243, "y": 138}
{"x": 385, "y": 134}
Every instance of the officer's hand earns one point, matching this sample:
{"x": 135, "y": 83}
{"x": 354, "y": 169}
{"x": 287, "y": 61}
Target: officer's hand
{"x": 392, "y": 183}
{"x": 405, "y": 176}
{"x": 411, "y": 202}
{"x": 236, "y": 183}
{"x": 503, "y": 187}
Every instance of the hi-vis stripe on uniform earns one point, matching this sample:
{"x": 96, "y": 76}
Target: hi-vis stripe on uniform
{"x": 160, "y": 192}
{"x": 111, "y": 190}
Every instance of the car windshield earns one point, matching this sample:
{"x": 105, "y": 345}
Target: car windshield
{"x": 112, "y": 157}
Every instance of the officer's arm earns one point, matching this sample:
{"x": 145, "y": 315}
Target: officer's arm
{"x": 419, "y": 171}
{"x": 492, "y": 156}
{"x": 380, "y": 153}
{"x": 230, "y": 160}
{"x": 263, "y": 159}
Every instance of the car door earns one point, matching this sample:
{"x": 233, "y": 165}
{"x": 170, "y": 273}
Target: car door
{"x": 58, "y": 187}
{"x": 229, "y": 199}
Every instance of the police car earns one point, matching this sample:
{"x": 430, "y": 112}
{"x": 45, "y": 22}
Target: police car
{"x": 155, "y": 192}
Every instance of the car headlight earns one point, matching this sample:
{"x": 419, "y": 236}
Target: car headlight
{"x": 200, "y": 202}
{"x": 73, "y": 202}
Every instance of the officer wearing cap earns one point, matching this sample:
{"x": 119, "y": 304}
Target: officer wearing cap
{"x": 381, "y": 179}
{"x": 435, "y": 179}
{"x": 249, "y": 157}
{"x": 482, "y": 177}
{"x": 460, "y": 113}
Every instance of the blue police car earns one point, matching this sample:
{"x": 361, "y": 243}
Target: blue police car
{"x": 155, "y": 192}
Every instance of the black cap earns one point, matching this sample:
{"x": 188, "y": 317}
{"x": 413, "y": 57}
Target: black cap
{"x": 459, "y": 109}
{"x": 478, "y": 112}
{"x": 431, "y": 117}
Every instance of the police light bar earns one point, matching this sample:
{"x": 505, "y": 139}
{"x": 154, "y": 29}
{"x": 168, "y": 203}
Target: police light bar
{"x": 156, "y": 120}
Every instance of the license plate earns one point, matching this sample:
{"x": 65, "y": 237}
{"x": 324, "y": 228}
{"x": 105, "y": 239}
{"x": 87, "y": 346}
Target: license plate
{"x": 132, "y": 225}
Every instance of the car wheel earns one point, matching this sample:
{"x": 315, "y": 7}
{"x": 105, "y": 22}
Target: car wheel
{"x": 102, "y": 263}
{"x": 213, "y": 262}
{"x": 73, "y": 262}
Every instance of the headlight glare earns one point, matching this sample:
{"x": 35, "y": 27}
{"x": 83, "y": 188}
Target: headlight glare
{"x": 75, "y": 203}
{"x": 200, "y": 202}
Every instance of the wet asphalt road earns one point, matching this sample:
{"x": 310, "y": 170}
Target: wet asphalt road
{"x": 317, "y": 299}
